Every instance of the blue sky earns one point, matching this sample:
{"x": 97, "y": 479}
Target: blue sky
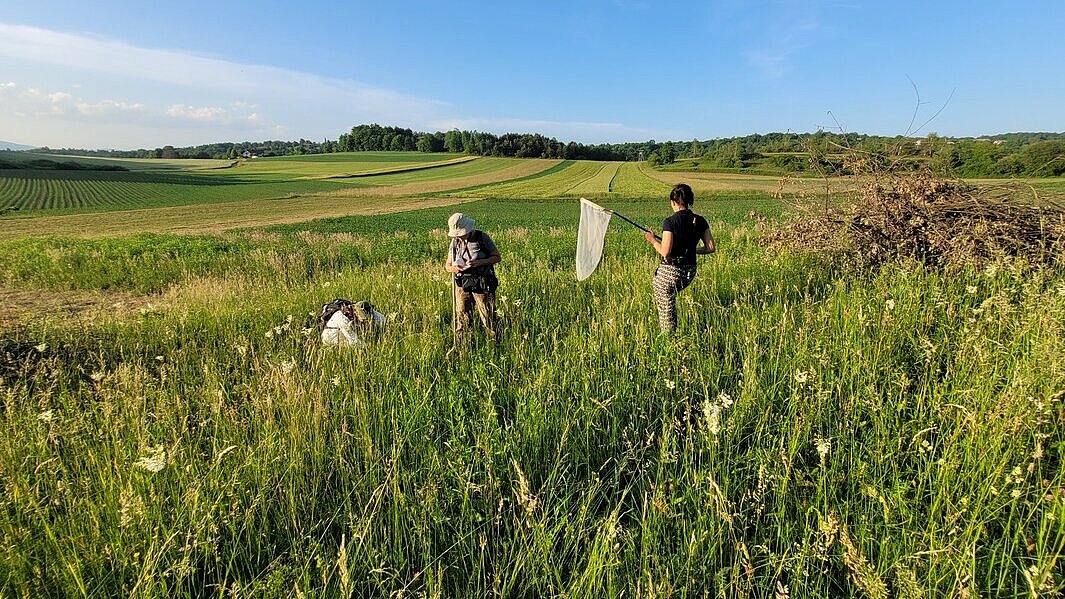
{"x": 108, "y": 74}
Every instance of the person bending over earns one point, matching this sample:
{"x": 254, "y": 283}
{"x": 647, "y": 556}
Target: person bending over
{"x": 471, "y": 258}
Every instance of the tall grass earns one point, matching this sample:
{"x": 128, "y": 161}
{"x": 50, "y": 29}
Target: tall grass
{"x": 809, "y": 432}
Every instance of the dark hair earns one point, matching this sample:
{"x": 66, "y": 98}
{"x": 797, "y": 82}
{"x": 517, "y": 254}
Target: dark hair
{"x": 682, "y": 194}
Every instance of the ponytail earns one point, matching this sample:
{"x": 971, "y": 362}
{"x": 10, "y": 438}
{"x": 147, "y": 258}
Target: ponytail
{"x": 682, "y": 194}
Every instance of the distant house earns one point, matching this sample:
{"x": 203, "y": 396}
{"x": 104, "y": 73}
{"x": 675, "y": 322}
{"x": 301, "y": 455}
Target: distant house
{"x": 247, "y": 154}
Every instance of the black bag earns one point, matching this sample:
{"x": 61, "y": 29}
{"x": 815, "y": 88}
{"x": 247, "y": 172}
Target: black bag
{"x": 471, "y": 283}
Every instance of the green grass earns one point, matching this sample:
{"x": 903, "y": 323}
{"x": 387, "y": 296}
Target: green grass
{"x": 810, "y": 428}
{"x": 31, "y": 192}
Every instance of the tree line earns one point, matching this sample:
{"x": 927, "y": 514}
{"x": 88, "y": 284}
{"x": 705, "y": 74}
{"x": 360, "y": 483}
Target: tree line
{"x": 1009, "y": 154}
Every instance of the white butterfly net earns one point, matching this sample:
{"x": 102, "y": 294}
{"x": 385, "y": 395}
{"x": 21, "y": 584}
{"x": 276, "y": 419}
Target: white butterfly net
{"x": 591, "y": 233}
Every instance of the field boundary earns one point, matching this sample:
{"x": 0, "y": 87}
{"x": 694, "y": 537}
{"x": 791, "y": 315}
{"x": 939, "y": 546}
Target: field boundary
{"x": 402, "y": 169}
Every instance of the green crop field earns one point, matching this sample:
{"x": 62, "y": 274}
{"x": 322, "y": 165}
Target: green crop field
{"x": 572, "y": 179}
{"x": 59, "y": 192}
{"x": 171, "y": 426}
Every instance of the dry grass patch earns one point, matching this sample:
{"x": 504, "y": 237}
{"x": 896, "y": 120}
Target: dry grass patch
{"x": 20, "y": 306}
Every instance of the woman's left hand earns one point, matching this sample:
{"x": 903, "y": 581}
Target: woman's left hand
{"x": 650, "y": 237}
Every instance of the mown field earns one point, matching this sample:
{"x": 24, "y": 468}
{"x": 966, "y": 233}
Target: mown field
{"x": 811, "y": 431}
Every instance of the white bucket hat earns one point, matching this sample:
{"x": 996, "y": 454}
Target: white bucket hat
{"x": 459, "y": 224}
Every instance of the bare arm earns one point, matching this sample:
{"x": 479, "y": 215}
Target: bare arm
{"x": 448, "y": 266}
{"x": 709, "y": 247}
{"x": 662, "y": 247}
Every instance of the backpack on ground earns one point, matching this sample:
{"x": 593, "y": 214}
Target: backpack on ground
{"x": 331, "y": 308}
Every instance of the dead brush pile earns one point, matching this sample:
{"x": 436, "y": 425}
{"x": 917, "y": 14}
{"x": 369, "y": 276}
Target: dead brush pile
{"x": 937, "y": 222}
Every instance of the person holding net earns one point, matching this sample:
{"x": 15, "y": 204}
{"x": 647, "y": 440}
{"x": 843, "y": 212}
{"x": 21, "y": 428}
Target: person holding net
{"x": 678, "y": 246}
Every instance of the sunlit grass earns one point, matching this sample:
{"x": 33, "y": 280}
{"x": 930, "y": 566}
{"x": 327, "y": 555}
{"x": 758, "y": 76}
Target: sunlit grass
{"x": 810, "y": 430}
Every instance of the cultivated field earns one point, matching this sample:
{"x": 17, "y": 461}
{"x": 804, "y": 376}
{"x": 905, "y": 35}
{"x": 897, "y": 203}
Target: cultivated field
{"x": 171, "y": 426}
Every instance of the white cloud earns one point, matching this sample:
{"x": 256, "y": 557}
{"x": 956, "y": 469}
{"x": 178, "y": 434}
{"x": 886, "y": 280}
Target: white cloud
{"x": 151, "y": 97}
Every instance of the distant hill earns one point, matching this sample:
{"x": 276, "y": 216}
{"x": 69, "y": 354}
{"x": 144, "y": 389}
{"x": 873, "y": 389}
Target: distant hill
{"x": 8, "y": 145}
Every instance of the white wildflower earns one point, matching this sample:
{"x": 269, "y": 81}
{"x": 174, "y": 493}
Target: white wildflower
{"x": 288, "y": 365}
{"x": 712, "y": 415}
{"x": 154, "y": 461}
{"x": 801, "y": 376}
{"x": 336, "y": 381}
{"x": 97, "y": 376}
{"x": 45, "y": 416}
{"x": 1015, "y": 493}
{"x": 40, "y": 348}
{"x": 890, "y": 304}
{"x": 307, "y": 332}
{"x": 823, "y": 447}
{"x": 671, "y": 385}
{"x": 327, "y": 284}
{"x": 269, "y": 334}
{"x": 159, "y": 358}
{"x": 241, "y": 349}
{"x": 517, "y": 303}
{"x": 970, "y": 289}
{"x": 724, "y": 399}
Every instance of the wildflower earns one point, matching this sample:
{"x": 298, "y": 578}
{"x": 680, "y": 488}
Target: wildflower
{"x": 269, "y": 334}
{"x": 517, "y": 303}
{"x": 336, "y": 381}
{"x": 154, "y": 461}
{"x": 890, "y": 304}
{"x": 40, "y": 348}
{"x": 823, "y": 447}
{"x": 241, "y": 349}
{"x": 307, "y": 331}
{"x": 801, "y": 376}
{"x": 327, "y": 284}
{"x": 159, "y": 358}
{"x": 45, "y": 416}
{"x": 97, "y": 376}
{"x": 970, "y": 288}
{"x": 288, "y": 365}
{"x": 724, "y": 399}
{"x": 671, "y": 385}
{"x": 712, "y": 416}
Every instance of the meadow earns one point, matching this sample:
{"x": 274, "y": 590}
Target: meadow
{"x": 811, "y": 431}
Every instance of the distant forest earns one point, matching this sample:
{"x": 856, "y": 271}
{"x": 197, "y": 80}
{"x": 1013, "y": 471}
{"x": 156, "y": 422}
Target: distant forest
{"x": 1003, "y": 155}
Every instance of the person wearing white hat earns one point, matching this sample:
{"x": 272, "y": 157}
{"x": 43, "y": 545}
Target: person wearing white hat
{"x": 471, "y": 258}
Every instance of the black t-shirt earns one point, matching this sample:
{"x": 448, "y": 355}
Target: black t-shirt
{"x": 687, "y": 228}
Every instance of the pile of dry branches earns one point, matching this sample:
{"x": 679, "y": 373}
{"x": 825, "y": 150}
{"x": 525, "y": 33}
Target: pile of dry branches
{"x": 937, "y": 222}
